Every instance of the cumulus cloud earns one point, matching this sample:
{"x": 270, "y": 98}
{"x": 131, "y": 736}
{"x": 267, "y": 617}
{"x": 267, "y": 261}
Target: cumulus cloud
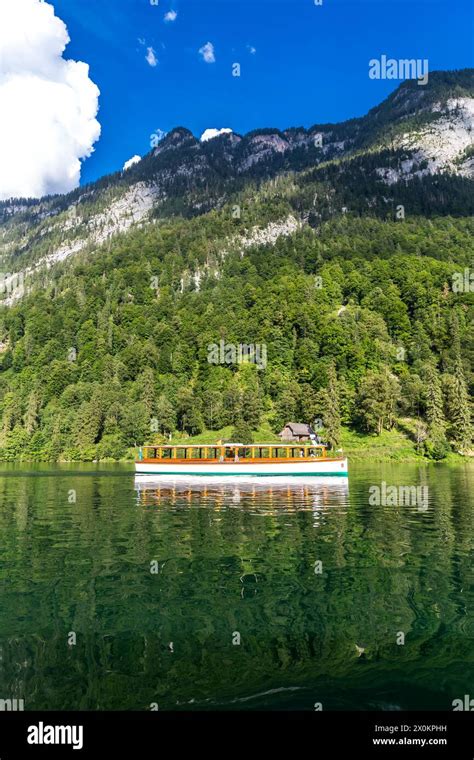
{"x": 207, "y": 52}
{"x": 151, "y": 57}
{"x": 48, "y": 104}
{"x": 171, "y": 16}
{"x": 209, "y": 134}
{"x": 131, "y": 162}
{"x": 252, "y": 50}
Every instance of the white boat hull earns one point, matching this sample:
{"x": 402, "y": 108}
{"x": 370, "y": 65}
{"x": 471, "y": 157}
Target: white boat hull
{"x": 244, "y": 483}
{"x": 318, "y": 468}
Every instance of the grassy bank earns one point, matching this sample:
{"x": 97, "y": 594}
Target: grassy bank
{"x": 391, "y": 446}
{"x": 395, "y": 445}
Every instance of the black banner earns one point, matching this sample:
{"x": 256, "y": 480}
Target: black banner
{"x": 387, "y": 734}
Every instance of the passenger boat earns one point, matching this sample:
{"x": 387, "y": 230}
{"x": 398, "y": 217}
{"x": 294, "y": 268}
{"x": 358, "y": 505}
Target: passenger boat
{"x": 237, "y": 459}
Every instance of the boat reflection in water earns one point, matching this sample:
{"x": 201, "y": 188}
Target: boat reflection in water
{"x": 285, "y": 493}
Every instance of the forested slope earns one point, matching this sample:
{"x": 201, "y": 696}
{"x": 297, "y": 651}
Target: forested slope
{"x": 359, "y": 290}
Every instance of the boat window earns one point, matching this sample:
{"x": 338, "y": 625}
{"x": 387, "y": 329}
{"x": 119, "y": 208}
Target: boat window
{"x": 165, "y": 453}
{"x": 211, "y": 453}
{"x": 180, "y": 453}
{"x": 229, "y": 453}
{"x": 264, "y": 453}
{"x": 245, "y": 453}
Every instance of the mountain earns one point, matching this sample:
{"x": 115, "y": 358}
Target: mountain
{"x": 336, "y": 247}
{"x": 418, "y": 135}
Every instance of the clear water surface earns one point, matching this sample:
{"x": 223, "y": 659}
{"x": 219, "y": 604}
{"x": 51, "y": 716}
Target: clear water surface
{"x": 234, "y": 596}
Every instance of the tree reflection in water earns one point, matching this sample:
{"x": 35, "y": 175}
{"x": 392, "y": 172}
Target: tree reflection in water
{"x": 235, "y": 558}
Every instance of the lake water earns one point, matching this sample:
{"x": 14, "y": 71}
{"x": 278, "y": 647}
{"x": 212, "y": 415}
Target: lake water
{"x": 225, "y": 596}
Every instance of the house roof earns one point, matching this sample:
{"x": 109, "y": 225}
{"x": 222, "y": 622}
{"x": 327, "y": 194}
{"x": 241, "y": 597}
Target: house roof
{"x": 299, "y": 428}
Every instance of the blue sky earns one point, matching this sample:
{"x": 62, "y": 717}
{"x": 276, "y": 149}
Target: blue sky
{"x": 309, "y": 65}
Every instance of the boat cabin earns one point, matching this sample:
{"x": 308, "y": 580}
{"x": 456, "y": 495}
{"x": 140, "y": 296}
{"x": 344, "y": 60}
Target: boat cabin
{"x": 232, "y": 452}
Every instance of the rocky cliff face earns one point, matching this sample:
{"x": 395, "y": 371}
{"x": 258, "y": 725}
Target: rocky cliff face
{"x": 417, "y": 133}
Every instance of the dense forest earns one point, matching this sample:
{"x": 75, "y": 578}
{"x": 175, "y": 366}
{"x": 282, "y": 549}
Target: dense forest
{"x": 360, "y": 294}
{"x": 361, "y": 321}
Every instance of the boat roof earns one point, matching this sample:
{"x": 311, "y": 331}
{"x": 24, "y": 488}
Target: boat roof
{"x": 274, "y": 444}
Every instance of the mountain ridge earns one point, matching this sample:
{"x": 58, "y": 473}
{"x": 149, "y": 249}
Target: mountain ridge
{"x": 359, "y": 288}
{"x": 417, "y": 134}
{"x": 458, "y": 83}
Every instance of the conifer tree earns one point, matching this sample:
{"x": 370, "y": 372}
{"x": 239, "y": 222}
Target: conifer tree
{"x": 330, "y": 408}
{"x": 148, "y": 393}
{"x": 165, "y": 414}
{"x": 434, "y": 402}
{"x": 242, "y": 432}
{"x": 461, "y": 424}
{"x": 436, "y": 445}
{"x": 8, "y": 414}
{"x": 377, "y": 400}
{"x": 32, "y": 411}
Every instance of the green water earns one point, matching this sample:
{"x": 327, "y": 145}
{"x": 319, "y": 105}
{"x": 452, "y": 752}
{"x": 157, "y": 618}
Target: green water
{"x": 76, "y": 547}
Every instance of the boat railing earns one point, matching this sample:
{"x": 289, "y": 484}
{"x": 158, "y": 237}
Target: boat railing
{"x": 235, "y": 453}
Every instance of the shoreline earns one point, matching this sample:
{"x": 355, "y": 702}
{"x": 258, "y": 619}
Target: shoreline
{"x": 390, "y": 447}
{"x": 369, "y": 456}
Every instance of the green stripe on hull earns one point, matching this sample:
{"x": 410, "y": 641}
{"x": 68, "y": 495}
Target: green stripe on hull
{"x": 253, "y": 474}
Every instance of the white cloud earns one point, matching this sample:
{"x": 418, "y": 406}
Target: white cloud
{"x": 209, "y": 134}
{"x": 171, "y": 16}
{"x": 131, "y": 162}
{"x": 48, "y": 104}
{"x": 151, "y": 57}
{"x": 207, "y": 52}
{"x": 252, "y": 49}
